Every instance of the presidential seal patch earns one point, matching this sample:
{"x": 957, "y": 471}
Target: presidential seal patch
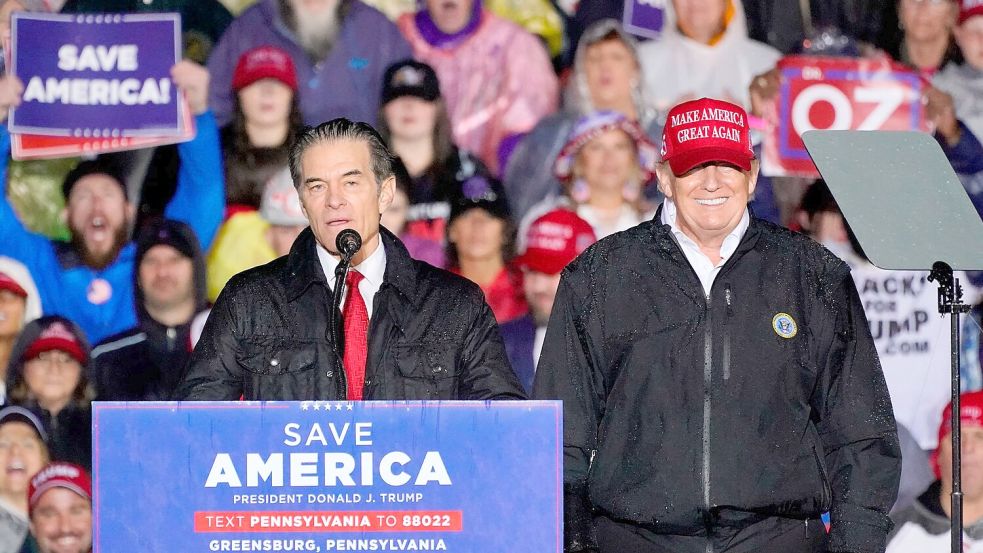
{"x": 784, "y": 325}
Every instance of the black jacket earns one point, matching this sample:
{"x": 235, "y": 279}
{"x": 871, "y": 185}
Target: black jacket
{"x": 147, "y": 362}
{"x": 683, "y": 412}
{"x": 432, "y": 336}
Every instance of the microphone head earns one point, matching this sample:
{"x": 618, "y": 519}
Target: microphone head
{"x": 348, "y": 243}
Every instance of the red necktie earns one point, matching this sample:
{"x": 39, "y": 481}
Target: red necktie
{"x": 356, "y": 336}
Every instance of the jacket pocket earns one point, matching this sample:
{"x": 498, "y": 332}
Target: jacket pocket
{"x": 277, "y": 356}
{"x": 428, "y": 371}
{"x": 826, "y": 499}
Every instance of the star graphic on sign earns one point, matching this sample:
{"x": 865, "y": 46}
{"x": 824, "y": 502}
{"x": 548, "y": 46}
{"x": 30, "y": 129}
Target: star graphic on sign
{"x": 317, "y": 406}
{"x": 350, "y": 406}
{"x": 304, "y": 406}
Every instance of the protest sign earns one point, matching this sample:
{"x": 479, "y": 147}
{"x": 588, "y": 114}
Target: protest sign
{"x": 476, "y": 477}
{"x": 838, "y": 94}
{"x": 96, "y": 76}
{"x": 645, "y": 18}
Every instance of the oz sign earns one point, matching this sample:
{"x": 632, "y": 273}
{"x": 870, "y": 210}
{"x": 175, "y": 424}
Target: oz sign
{"x": 839, "y": 94}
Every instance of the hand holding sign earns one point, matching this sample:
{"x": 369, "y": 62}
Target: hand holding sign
{"x": 10, "y": 91}
{"x": 192, "y": 79}
{"x": 941, "y": 112}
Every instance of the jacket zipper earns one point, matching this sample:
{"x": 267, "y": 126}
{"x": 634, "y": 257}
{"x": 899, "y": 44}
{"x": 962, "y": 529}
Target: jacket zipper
{"x": 171, "y": 336}
{"x": 707, "y": 381}
{"x": 730, "y": 312}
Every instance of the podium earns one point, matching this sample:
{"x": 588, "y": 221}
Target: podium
{"x": 328, "y": 476}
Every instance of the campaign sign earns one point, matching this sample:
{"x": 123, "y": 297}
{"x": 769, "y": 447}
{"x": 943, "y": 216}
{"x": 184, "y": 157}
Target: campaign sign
{"x": 839, "y": 94}
{"x": 467, "y": 477}
{"x": 645, "y": 18}
{"x": 96, "y": 76}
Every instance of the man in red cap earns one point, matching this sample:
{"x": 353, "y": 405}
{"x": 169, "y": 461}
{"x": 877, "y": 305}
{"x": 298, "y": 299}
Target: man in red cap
{"x": 60, "y": 501}
{"x": 552, "y": 241}
{"x": 721, "y": 387}
{"x": 924, "y": 526}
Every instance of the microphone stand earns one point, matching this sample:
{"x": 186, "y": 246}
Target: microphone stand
{"x": 950, "y": 301}
{"x": 340, "y": 278}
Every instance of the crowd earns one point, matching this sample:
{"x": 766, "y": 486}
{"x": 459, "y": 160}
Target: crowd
{"x": 513, "y": 158}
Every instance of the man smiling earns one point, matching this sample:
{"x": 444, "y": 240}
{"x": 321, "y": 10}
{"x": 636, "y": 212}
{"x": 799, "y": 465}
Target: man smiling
{"x": 721, "y": 388}
{"x": 411, "y": 331}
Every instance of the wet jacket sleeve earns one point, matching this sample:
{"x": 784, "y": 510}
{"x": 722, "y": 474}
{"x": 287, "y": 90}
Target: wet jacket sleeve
{"x": 855, "y": 422}
{"x": 487, "y": 372}
{"x": 213, "y": 373}
{"x": 966, "y": 156}
{"x": 199, "y": 199}
{"x": 568, "y": 370}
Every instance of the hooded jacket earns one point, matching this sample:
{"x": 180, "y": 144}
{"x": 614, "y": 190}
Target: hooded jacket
{"x": 17, "y": 271}
{"x": 676, "y": 66}
{"x": 70, "y": 430}
{"x": 685, "y": 412}
{"x": 497, "y": 82}
{"x": 924, "y": 527}
{"x": 431, "y": 336}
{"x": 146, "y": 362}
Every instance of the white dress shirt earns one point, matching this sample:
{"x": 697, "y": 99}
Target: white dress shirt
{"x": 704, "y": 268}
{"x": 373, "y": 268}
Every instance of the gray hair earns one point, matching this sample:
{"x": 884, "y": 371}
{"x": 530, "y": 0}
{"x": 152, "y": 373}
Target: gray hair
{"x": 343, "y": 129}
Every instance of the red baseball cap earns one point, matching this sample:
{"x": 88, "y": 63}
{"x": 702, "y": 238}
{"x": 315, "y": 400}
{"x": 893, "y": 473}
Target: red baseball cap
{"x": 59, "y": 337}
{"x": 8, "y": 283}
{"x": 265, "y": 62}
{"x": 970, "y": 414}
{"x": 59, "y": 475}
{"x": 969, "y": 8}
{"x": 705, "y": 130}
{"x": 554, "y": 240}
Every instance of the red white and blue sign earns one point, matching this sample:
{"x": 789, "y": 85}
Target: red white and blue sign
{"x": 839, "y": 94}
{"x": 96, "y": 76}
{"x": 476, "y": 477}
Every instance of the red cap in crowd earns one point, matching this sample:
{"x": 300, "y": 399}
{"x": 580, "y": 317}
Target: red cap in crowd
{"x": 59, "y": 475}
{"x": 705, "y": 130}
{"x": 265, "y": 62}
{"x": 970, "y": 414}
{"x": 56, "y": 337}
{"x": 9, "y": 284}
{"x": 969, "y": 8}
{"x": 554, "y": 240}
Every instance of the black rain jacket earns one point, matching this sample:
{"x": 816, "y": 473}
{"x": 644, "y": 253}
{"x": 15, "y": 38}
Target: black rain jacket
{"x": 684, "y": 412}
{"x": 431, "y": 336}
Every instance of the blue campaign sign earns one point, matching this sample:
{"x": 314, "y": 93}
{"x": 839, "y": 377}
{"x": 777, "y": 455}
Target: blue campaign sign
{"x": 474, "y": 477}
{"x": 96, "y": 76}
{"x": 645, "y": 18}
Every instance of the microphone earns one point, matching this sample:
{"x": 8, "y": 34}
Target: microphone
{"x": 348, "y": 243}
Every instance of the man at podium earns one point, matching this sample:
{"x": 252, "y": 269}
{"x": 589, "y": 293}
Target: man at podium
{"x": 410, "y": 331}
{"x": 721, "y": 388}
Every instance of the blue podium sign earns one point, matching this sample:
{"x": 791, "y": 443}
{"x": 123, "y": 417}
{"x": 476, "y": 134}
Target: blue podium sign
{"x": 460, "y": 476}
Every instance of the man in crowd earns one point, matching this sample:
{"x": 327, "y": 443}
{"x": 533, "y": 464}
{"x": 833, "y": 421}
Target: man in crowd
{"x": 60, "y": 499}
{"x": 552, "y": 241}
{"x": 147, "y": 361}
{"x": 410, "y": 331}
{"x": 925, "y": 525}
{"x": 90, "y": 279}
{"x": 721, "y": 388}
{"x": 340, "y": 49}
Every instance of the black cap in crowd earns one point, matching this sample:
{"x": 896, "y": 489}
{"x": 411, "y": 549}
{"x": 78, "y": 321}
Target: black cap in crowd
{"x": 98, "y": 166}
{"x": 480, "y": 192}
{"x": 169, "y": 233}
{"x": 410, "y": 78}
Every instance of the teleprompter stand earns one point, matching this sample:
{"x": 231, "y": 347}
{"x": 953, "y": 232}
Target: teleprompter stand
{"x": 909, "y": 211}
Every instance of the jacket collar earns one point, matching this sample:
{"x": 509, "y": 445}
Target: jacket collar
{"x": 667, "y": 242}
{"x": 304, "y": 269}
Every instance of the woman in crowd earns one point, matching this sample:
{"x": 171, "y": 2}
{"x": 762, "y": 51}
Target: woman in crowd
{"x": 496, "y": 76}
{"x": 604, "y": 165}
{"x": 607, "y": 75}
{"x": 395, "y": 219}
{"x": 266, "y": 115}
{"x": 413, "y": 120}
{"x": 925, "y": 41}
{"x": 48, "y": 375}
{"x": 19, "y": 305}
{"x": 22, "y": 454}
{"x": 480, "y": 245}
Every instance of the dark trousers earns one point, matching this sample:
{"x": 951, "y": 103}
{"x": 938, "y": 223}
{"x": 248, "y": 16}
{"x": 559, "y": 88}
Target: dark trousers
{"x": 771, "y": 535}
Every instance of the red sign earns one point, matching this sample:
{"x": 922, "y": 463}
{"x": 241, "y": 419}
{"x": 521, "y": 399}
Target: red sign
{"x": 838, "y": 94}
